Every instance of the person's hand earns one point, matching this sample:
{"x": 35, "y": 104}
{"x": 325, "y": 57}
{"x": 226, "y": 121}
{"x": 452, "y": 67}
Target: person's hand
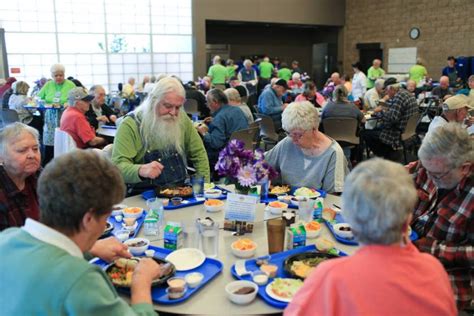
{"x": 207, "y": 120}
{"x": 202, "y": 129}
{"x": 150, "y": 170}
{"x": 113, "y": 118}
{"x": 147, "y": 270}
{"x": 284, "y": 106}
{"x": 386, "y": 97}
{"x": 110, "y": 249}
{"x": 103, "y": 118}
{"x": 378, "y": 109}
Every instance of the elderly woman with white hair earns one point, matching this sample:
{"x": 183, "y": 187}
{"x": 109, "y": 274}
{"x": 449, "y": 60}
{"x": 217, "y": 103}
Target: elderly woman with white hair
{"x": 307, "y": 157}
{"x": 54, "y": 92}
{"x": 153, "y": 145}
{"x": 295, "y": 84}
{"x": 248, "y": 76}
{"x": 20, "y": 162}
{"x": 387, "y": 275}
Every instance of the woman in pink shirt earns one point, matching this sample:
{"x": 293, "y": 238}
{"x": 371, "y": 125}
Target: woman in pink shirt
{"x": 311, "y": 94}
{"x": 387, "y": 275}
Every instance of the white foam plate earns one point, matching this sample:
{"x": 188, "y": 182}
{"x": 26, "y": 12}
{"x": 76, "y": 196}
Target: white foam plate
{"x": 186, "y": 258}
{"x": 268, "y": 290}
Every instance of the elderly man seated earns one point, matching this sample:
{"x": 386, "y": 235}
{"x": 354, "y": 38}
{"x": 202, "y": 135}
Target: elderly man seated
{"x": 443, "y": 91}
{"x": 373, "y": 95}
{"x": 455, "y": 109}
{"x": 45, "y": 262}
{"x": 307, "y": 157}
{"x": 225, "y": 120}
{"x": 270, "y": 101}
{"x": 233, "y": 96}
{"x": 402, "y": 106}
{"x": 444, "y": 213}
{"x": 153, "y": 144}
{"x": 387, "y": 275}
{"x": 74, "y": 121}
{"x": 99, "y": 111}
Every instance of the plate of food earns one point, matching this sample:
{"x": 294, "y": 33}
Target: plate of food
{"x": 120, "y": 271}
{"x": 282, "y": 289}
{"x": 109, "y": 227}
{"x": 301, "y": 265}
{"x": 184, "y": 191}
{"x": 280, "y": 189}
{"x": 307, "y": 192}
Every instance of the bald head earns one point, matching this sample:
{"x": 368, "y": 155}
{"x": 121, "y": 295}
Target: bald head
{"x": 444, "y": 82}
{"x": 336, "y": 78}
{"x": 376, "y": 63}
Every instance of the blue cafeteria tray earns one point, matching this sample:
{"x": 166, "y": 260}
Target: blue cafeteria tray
{"x": 279, "y": 260}
{"x": 272, "y": 197}
{"x": 189, "y": 201}
{"x": 352, "y": 242}
{"x": 210, "y": 269}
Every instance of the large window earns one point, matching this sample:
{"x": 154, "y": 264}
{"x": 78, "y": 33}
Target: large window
{"x": 98, "y": 41}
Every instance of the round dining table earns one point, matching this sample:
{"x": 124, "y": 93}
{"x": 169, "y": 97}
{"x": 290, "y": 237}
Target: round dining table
{"x": 211, "y": 299}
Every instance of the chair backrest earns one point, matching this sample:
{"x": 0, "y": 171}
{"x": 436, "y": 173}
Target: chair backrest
{"x": 256, "y": 123}
{"x": 63, "y": 143}
{"x": 342, "y": 129}
{"x": 191, "y": 106}
{"x": 9, "y": 116}
{"x": 410, "y": 129}
{"x": 267, "y": 127}
{"x": 247, "y": 136}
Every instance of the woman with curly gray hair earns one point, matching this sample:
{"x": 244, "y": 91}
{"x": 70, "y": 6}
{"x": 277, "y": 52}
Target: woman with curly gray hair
{"x": 387, "y": 275}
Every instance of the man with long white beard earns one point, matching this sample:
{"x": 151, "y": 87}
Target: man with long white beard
{"x": 154, "y": 144}
{"x": 444, "y": 214}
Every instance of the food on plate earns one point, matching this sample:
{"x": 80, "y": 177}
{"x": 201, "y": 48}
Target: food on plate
{"x": 329, "y": 214}
{"x": 285, "y": 288}
{"x": 285, "y": 198}
{"x": 323, "y": 244}
{"x": 139, "y": 243}
{"x": 277, "y": 204}
{"x": 269, "y": 269}
{"x": 213, "y": 202}
{"x": 208, "y": 186}
{"x": 304, "y": 267}
{"x": 307, "y": 192}
{"x": 212, "y": 193}
{"x": 313, "y": 225}
{"x": 244, "y": 290}
{"x": 177, "y": 191}
{"x": 280, "y": 189}
{"x": 132, "y": 210}
{"x": 244, "y": 244}
{"x": 129, "y": 221}
{"x": 121, "y": 272}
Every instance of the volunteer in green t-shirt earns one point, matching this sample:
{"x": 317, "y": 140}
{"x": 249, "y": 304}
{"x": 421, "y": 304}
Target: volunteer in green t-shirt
{"x": 375, "y": 72}
{"x": 217, "y": 73}
{"x": 418, "y": 71}
{"x": 284, "y": 72}
{"x": 266, "y": 68}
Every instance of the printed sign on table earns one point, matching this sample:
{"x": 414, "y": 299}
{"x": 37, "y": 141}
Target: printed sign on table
{"x": 240, "y": 212}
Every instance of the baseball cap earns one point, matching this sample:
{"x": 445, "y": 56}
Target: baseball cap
{"x": 456, "y": 102}
{"x": 389, "y": 82}
{"x": 77, "y": 94}
{"x": 282, "y": 83}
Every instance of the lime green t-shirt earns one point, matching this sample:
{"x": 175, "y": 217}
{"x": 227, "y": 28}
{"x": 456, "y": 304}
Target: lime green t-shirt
{"x": 284, "y": 73}
{"x": 266, "y": 69}
{"x": 372, "y": 75}
{"x": 230, "y": 71}
{"x": 218, "y": 73}
{"x": 417, "y": 73}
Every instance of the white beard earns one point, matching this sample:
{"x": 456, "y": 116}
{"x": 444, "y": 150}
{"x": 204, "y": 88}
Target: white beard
{"x": 162, "y": 132}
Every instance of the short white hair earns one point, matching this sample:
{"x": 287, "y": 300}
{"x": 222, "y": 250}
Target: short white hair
{"x": 451, "y": 142}
{"x": 295, "y": 75}
{"x": 233, "y": 95}
{"x": 300, "y": 115}
{"x": 12, "y": 131}
{"x": 379, "y": 83}
{"x": 57, "y": 68}
{"x": 378, "y": 197}
{"x": 248, "y": 62}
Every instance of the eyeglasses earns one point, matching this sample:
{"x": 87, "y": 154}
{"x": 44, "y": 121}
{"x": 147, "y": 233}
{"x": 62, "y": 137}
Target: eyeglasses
{"x": 438, "y": 175}
{"x": 295, "y": 135}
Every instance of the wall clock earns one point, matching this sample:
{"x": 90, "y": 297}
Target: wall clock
{"x": 414, "y": 33}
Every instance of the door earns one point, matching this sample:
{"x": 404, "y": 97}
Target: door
{"x": 368, "y": 52}
{"x": 324, "y": 62}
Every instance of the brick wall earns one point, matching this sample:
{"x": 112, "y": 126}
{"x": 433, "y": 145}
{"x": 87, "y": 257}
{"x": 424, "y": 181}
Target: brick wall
{"x": 446, "y": 27}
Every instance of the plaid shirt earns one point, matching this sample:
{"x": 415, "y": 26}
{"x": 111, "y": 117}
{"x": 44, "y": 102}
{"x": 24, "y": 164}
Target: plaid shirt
{"x": 402, "y": 106}
{"x": 446, "y": 228}
{"x": 15, "y": 205}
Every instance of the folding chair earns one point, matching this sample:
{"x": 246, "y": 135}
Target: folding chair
{"x": 247, "y": 136}
{"x": 268, "y": 134}
{"x": 409, "y": 134}
{"x": 344, "y": 130}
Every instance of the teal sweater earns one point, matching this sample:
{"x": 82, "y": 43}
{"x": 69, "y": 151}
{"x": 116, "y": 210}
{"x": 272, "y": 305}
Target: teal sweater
{"x": 41, "y": 279}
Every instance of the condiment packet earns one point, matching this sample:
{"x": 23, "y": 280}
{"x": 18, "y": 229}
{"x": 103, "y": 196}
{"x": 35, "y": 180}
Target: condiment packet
{"x": 240, "y": 268}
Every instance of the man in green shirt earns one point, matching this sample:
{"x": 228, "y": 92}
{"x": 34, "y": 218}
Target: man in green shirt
{"x": 153, "y": 145}
{"x": 418, "y": 71}
{"x": 266, "y": 69}
{"x": 375, "y": 72}
{"x": 45, "y": 269}
{"x": 218, "y": 73}
{"x": 284, "y": 72}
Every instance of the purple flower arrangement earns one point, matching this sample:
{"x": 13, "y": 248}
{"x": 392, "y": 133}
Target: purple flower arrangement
{"x": 242, "y": 166}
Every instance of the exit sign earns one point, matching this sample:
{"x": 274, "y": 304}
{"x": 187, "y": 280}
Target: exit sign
{"x": 15, "y": 70}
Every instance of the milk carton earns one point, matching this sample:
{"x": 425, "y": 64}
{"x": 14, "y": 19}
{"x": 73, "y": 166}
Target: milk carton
{"x": 295, "y": 236}
{"x": 173, "y": 236}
